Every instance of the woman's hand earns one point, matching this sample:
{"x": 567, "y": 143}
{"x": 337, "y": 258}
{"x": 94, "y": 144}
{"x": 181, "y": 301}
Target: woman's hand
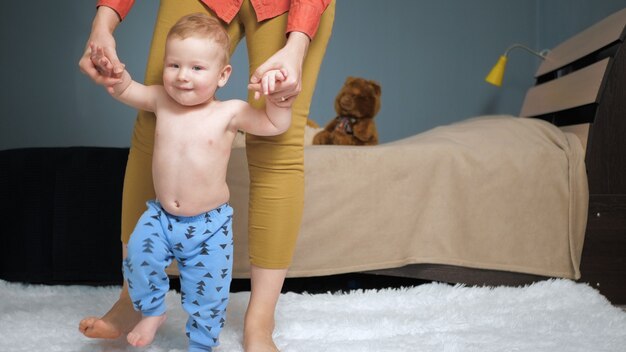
{"x": 288, "y": 60}
{"x": 104, "y": 72}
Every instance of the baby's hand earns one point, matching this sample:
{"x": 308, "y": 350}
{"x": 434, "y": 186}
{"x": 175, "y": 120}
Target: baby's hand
{"x": 271, "y": 82}
{"x": 270, "y": 78}
{"x": 103, "y": 65}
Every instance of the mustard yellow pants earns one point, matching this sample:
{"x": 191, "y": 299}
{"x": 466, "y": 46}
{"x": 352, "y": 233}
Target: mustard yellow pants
{"x": 276, "y": 164}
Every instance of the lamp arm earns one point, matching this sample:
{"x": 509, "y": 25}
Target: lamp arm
{"x": 542, "y": 55}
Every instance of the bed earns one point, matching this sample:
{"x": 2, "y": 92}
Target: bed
{"x": 489, "y": 200}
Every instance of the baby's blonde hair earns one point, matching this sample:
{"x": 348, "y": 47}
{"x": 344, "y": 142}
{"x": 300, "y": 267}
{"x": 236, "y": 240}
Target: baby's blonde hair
{"x": 200, "y": 25}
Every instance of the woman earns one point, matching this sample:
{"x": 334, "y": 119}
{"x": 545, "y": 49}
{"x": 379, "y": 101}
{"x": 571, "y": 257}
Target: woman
{"x": 289, "y": 35}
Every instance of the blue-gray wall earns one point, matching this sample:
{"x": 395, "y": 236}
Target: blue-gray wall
{"x": 429, "y": 56}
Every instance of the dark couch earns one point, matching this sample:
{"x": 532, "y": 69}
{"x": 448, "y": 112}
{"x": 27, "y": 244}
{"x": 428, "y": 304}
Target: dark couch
{"x": 61, "y": 214}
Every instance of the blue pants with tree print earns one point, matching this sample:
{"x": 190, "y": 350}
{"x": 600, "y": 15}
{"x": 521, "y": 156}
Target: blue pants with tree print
{"x": 203, "y": 247}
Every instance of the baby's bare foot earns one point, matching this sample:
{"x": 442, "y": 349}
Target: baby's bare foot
{"x": 143, "y": 333}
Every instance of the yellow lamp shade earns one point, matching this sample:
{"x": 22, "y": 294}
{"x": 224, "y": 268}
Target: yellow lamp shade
{"x": 496, "y": 74}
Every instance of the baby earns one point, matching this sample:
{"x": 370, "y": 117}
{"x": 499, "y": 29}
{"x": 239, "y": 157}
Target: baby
{"x": 190, "y": 219}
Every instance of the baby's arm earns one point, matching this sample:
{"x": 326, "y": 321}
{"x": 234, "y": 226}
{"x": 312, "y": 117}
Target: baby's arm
{"x": 273, "y": 121}
{"x": 126, "y": 90}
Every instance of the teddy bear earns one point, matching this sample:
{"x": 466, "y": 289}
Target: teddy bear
{"x": 356, "y": 105}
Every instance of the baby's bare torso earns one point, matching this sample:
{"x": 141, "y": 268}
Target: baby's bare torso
{"x": 191, "y": 150}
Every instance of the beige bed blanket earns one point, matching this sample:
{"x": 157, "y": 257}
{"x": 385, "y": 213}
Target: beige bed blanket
{"x": 494, "y": 192}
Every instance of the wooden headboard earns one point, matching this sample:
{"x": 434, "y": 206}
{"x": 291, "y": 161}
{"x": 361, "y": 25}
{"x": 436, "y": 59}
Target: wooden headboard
{"x": 582, "y": 84}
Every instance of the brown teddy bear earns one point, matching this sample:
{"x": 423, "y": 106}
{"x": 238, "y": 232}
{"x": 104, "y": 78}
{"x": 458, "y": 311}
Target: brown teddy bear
{"x": 356, "y": 105}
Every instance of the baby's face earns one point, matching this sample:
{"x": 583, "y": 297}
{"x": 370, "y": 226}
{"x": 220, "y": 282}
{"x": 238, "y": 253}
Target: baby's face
{"x": 192, "y": 69}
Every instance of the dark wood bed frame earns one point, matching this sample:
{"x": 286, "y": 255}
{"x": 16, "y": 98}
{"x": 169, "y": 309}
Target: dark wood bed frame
{"x": 581, "y": 87}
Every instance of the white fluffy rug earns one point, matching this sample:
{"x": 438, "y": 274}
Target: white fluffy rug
{"x": 551, "y": 316}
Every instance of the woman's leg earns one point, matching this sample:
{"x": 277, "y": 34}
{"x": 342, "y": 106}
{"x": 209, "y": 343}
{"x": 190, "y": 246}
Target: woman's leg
{"x": 120, "y": 319}
{"x": 276, "y": 167}
{"x": 138, "y": 187}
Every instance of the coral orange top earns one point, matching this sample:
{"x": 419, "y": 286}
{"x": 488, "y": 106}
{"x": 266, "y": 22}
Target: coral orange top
{"x": 304, "y": 15}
